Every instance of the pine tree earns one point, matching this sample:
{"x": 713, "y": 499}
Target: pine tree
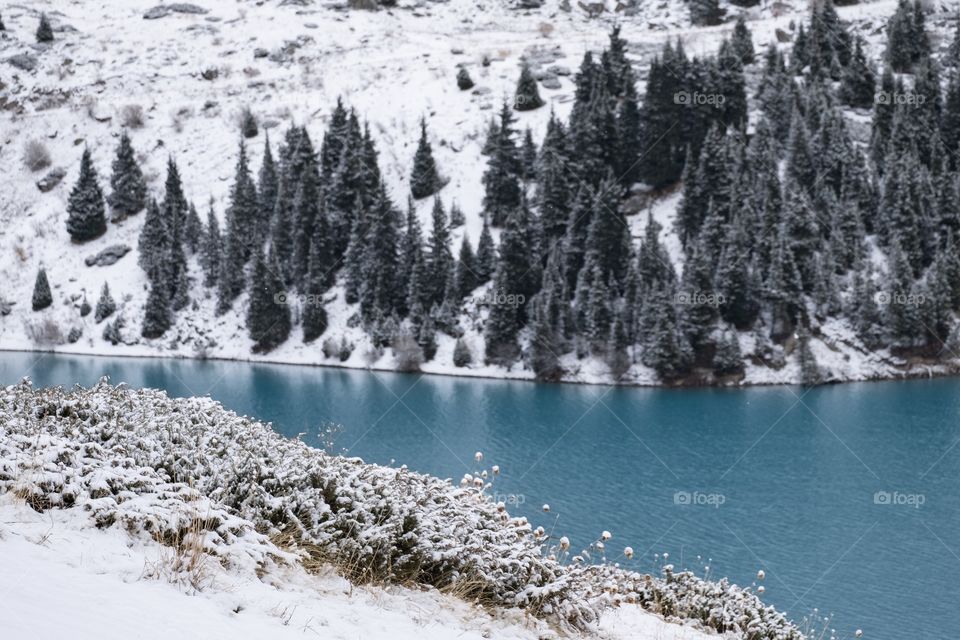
{"x": 528, "y": 156}
{"x": 268, "y": 317}
{"x": 153, "y": 245}
{"x": 461, "y": 354}
{"x": 314, "y": 318}
{"x": 381, "y": 291}
{"x": 424, "y": 179}
{"x": 742, "y": 42}
{"x": 306, "y": 216}
{"x": 3, "y": 27}
{"x": 42, "y": 298}
{"x": 105, "y": 305}
{"x": 903, "y": 46}
{"x": 268, "y": 186}
{"x": 952, "y": 57}
{"x": 527, "y": 96}
{"x": 44, "y": 30}
{"x": 157, "y": 317}
{"x": 663, "y": 350}
{"x": 466, "y": 279}
{"x": 501, "y": 179}
{"x": 728, "y": 359}
{"x": 464, "y": 81}
{"x": 210, "y": 251}
{"x": 502, "y": 326}
{"x": 86, "y": 219}
{"x": 553, "y": 180}
{"x": 486, "y": 254}
{"x": 128, "y": 188}
{"x": 193, "y": 230}
{"x": 608, "y": 237}
{"x": 858, "y": 82}
{"x": 544, "y": 359}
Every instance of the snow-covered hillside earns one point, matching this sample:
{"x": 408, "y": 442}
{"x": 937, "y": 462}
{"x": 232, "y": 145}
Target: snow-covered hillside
{"x": 106, "y": 492}
{"x": 194, "y": 73}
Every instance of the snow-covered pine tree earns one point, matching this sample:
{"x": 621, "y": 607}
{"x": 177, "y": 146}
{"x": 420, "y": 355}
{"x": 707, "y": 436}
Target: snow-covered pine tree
{"x": 193, "y": 230}
{"x": 553, "y": 180}
{"x": 464, "y": 81}
{"x": 461, "y": 354}
{"x": 810, "y": 374}
{"x": 486, "y": 254}
{"x": 305, "y": 215}
{"x": 501, "y": 179}
{"x": 157, "y": 316}
{"x": 42, "y": 298}
{"x": 128, "y": 188}
{"x": 466, "y": 278}
{"x": 742, "y": 41}
{"x": 904, "y": 47}
{"x": 952, "y": 57}
{"x": 268, "y": 315}
{"x": 314, "y": 315}
{"x": 528, "y": 156}
{"x": 86, "y": 218}
{"x": 728, "y": 359}
{"x": 527, "y": 96}
{"x": 267, "y": 188}
{"x": 608, "y": 237}
{"x": 858, "y": 82}
{"x": 44, "y": 30}
{"x": 424, "y": 179}
{"x": 440, "y": 265}
{"x": 210, "y": 249}
{"x": 381, "y": 292}
{"x": 154, "y": 244}
{"x": 105, "y": 305}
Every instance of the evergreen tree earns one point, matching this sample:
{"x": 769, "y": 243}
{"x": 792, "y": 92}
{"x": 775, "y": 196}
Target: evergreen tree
{"x": 128, "y": 188}
{"x": 553, "y": 180}
{"x": 662, "y": 108}
{"x": 728, "y": 359}
{"x": 157, "y": 317}
{"x": 467, "y": 278}
{"x": 193, "y": 230}
{"x": 314, "y": 317}
{"x": 42, "y": 298}
{"x": 904, "y": 34}
{"x": 461, "y": 354}
{"x": 663, "y": 350}
{"x": 3, "y": 27}
{"x": 952, "y": 57}
{"x": 440, "y": 267}
{"x": 528, "y": 156}
{"x": 105, "y": 305}
{"x": 86, "y": 217}
{"x": 381, "y": 291}
{"x": 502, "y": 326}
{"x": 44, "y": 30}
{"x": 411, "y": 249}
{"x": 608, "y": 237}
{"x": 543, "y": 343}
{"x": 742, "y": 41}
{"x": 464, "y": 81}
{"x": 486, "y": 254}
{"x": 527, "y": 96}
{"x": 858, "y": 82}
{"x": 306, "y": 216}
{"x": 500, "y": 181}
{"x": 424, "y": 179}
{"x": 210, "y": 251}
{"x": 268, "y": 186}
{"x": 268, "y": 317}
{"x": 154, "y": 243}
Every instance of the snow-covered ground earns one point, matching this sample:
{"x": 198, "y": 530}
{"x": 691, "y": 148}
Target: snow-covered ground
{"x": 393, "y": 67}
{"x": 63, "y": 578}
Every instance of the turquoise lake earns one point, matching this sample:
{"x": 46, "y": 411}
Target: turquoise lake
{"x": 847, "y": 496}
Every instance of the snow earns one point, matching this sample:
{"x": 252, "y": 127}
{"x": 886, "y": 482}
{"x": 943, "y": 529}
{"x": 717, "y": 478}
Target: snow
{"x": 60, "y": 574}
{"x": 394, "y": 67}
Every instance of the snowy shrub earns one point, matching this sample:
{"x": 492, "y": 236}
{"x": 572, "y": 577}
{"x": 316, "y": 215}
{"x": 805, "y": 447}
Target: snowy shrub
{"x": 196, "y": 477}
{"x": 35, "y": 155}
{"x": 407, "y": 353}
{"x": 461, "y": 354}
{"x": 131, "y": 115}
{"x": 248, "y": 123}
{"x": 44, "y": 332}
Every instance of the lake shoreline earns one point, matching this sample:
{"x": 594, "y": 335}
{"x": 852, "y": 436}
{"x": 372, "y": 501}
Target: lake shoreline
{"x": 693, "y": 381}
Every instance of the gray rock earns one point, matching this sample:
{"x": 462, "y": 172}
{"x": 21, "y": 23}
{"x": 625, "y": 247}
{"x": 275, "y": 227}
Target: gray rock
{"x": 481, "y": 91}
{"x": 6, "y": 307}
{"x": 163, "y": 10}
{"x": 260, "y": 52}
{"x": 108, "y": 256}
{"x": 559, "y": 70}
{"x": 52, "y": 179}
{"x": 23, "y": 61}
{"x": 550, "y": 82}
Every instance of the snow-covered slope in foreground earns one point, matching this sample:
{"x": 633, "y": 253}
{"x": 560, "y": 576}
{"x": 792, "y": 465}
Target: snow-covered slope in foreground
{"x": 248, "y": 520}
{"x": 62, "y": 578}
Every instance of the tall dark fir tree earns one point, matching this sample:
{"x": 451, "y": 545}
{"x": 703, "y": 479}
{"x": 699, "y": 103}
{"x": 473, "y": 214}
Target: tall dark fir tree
{"x": 86, "y": 217}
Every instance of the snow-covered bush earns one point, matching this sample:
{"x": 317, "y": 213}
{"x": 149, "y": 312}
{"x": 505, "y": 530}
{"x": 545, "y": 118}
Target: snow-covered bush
{"x": 35, "y": 155}
{"x": 186, "y": 469}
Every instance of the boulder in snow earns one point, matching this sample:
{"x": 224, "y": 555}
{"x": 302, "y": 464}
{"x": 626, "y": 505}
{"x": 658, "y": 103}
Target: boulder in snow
{"x": 51, "y": 180}
{"x": 108, "y": 256}
{"x": 23, "y": 61}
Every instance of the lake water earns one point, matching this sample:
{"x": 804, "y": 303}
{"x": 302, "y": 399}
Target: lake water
{"x": 847, "y": 496}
